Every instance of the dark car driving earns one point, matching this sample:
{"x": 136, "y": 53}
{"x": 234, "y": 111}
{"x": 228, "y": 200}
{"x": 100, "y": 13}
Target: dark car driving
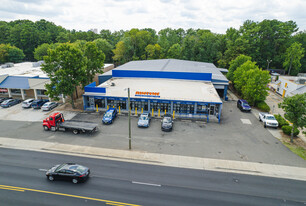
{"x": 167, "y": 123}
{"x": 243, "y": 105}
{"x": 69, "y": 172}
{"x": 38, "y": 103}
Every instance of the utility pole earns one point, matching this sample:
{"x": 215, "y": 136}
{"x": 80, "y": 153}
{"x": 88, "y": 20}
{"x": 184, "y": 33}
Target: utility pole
{"x": 130, "y": 136}
{"x": 290, "y": 66}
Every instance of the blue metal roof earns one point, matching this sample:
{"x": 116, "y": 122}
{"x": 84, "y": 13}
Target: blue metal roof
{"x": 15, "y": 82}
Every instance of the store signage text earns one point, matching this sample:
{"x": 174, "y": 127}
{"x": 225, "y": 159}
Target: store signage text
{"x": 147, "y": 94}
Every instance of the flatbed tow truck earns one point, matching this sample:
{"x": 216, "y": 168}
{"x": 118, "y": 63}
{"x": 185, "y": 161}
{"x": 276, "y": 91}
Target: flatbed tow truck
{"x": 57, "y": 122}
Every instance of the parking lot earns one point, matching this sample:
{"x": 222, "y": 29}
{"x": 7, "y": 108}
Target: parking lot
{"x": 239, "y": 136}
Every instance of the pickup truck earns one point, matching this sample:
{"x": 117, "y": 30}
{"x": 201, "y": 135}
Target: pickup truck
{"x": 56, "y": 122}
{"x": 268, "y": 120}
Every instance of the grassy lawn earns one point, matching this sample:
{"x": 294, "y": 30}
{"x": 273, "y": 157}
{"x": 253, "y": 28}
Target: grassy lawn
{"x": 300, "y": 151}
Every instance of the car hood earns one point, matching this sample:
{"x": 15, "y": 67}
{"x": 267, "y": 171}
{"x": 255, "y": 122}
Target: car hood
{"x": 106, "y": 119}
{"x": 272, "y": 121}
{"x": 166, "y": 125}
{"x": 143, "y": 122}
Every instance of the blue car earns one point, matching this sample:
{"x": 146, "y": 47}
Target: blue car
{"x": 144, "y": 120}
{"x": 243, "y": 105}
{"x": 38, "y": 103}
{"x": 10, "y": 102}
{"x": 109, "y": 116}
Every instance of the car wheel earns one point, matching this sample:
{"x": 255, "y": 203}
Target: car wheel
{"x": 75, "y": 181}
{"x": 46, "y": 128}
{"x": 265, "y": 126}
{"x": 51, "y": 178}
{"x": 75, "y": 131}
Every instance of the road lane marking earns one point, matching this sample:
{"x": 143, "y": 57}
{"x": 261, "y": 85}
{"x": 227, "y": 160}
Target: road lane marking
{"x": 43, "y": 170}
{"x": 245, "y": 121}
{"x": 144, "y": 183}
{"x": 21, "y": 189}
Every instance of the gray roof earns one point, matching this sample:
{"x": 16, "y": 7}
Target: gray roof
{"x": 300, "y": 90}
{"x": 174, "y": 65}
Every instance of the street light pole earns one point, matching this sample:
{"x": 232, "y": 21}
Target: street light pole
{"x": 269, "y": 61}
{"x": 130, "y": 136}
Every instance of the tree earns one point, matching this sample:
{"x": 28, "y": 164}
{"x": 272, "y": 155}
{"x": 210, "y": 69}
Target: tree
{"x": 300, "y": 37}
{"x": 65, "y": 67}
{"x": 295, "y": 111}
{"x": 240, "y": 75}
{"x": 153, "y": 51}
{"x": 255, "y": 89}
{"x": 42, "y": 50}
{"x": 10, "y": 53}
{"x": 104, "y": 46}
{"x": 94, "y": 62}
{"x": 292, "y": 58}
{"x": 174, "y": 51}
{"x": 234, "y": 64}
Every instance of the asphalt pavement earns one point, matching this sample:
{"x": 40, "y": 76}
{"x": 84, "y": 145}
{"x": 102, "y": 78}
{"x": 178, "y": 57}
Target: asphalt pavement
{"x": 23, "y": 182}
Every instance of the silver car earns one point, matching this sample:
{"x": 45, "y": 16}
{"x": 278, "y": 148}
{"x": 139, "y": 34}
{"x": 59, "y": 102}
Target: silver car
{"x": 49, "y": 106}
{"x": 144, "y": 120}
{"x": 27, "y": 103}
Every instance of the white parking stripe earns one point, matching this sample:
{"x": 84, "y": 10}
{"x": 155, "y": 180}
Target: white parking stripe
{"x": 43, "y": 170}
{"x": 144, "y": 183}
{"x": 246, "y": 121}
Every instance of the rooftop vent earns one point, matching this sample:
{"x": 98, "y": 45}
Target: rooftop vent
{"x": 7, "y": 65}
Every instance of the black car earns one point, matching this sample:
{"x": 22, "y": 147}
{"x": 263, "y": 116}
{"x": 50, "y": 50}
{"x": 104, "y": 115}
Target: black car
{"x": 167, "y": 123}
{"x": 68, "y": 171}
{"x": 2, "y": 99}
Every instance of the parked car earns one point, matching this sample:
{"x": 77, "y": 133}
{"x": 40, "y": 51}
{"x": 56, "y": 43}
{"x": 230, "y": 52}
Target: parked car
{"x": 243, "y": 105}
{"x": 38, "y": 103}
{"x": 109, "y": 116}
{"x": 68, "y": 171}
{"x": 49, "y": 106}
{"x": 10, "y": 102}
{"x": 268, "y": 120}
{"x": 167, "y": 123}
{"x": 27, "y": 103}
{"x": 144, "y": 120}
{"x": 2, "y": 99}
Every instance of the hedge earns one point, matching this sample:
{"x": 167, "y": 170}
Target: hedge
{"x": 263, "y": 106}
{"x": 281, "y": 121}
{"x": 287, "y": 130}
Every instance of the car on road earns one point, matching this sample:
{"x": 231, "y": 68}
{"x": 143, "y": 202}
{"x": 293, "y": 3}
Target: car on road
{"x": 69, "y": 172}
{"x": 109, "y": 116}
{"x": 38, "y": 103}
{"x": 167, "y": 123}
{"x": 10, "y": 102}
{"x": 144, "y": 120}
{"x": 243, "y": 105}
{"x": 27, "y": 103}
{"x": 2, "y": 99}
{"x": 49, "y": 106}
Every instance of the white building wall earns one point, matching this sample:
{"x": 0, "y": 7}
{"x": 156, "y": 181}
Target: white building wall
{"x": 284, "y": 89}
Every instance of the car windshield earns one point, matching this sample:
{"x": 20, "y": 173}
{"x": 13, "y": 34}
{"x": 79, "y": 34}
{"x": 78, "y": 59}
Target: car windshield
{"x": 108, "y": 115}
{"x": 271, "y": 118}
{"x": 81, "y": 169}
{"x": 6, "y": 101}
{"x": 47, "y": 104}
{"x": 245, "y": 104}
{"x": 143, "y": 118}
{"x": 166, "y": 120}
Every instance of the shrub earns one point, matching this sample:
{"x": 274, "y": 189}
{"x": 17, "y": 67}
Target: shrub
{"x": 281, "y": 121}
{"x": 263, "y": 106}
{"x": 287, "y": 130}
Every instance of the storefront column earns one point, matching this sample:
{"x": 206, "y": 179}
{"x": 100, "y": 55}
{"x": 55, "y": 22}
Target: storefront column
{"x": 149, "y": 106}
{"x": 63, "y": 99}
{"x": 105, "y": 100}
{"x": 195, "y": 108}
{"x": 219, "y": 113}
{"x": 9, "y": 92}
{"x": 22, "y": 93}
{"x": 171, "y": 107}
{"x": 225, "y": 93}
{"x": 35, "y": 93}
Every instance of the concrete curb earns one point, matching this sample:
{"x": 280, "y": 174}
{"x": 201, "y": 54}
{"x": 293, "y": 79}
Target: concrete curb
{"x": 250, "y": 168}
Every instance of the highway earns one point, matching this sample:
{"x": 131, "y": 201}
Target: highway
{"x": 23, "y": 182}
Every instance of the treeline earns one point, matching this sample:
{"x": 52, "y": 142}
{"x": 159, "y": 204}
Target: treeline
{"x": 271, "y": 43}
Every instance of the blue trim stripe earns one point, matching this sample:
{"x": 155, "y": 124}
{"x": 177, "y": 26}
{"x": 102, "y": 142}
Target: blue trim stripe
{"x": 163, "y": 75}
{"x": 92, "y": 88}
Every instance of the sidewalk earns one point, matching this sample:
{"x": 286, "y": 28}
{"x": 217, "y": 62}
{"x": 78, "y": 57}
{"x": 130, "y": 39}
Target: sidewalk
{"x": 278, "y": 171}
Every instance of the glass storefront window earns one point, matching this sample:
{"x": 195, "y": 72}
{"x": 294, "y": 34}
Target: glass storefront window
{"x": 100, "y": 103}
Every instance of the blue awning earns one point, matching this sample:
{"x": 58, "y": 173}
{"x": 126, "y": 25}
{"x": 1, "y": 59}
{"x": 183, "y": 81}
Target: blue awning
{"x": 15, "y": 82}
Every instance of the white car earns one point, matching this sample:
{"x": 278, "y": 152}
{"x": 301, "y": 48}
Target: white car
{"x": 27, "y": 103}
{"x": 49, "y": 106}
{"x": 268, "y": 120}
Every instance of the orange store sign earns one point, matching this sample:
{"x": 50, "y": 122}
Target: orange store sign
{"x": 147, "y": 94}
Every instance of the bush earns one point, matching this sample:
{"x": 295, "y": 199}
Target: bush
{"x": 287, "y": 130}
{"x": 281, "y": 121}
{"x": 263, "y": 106}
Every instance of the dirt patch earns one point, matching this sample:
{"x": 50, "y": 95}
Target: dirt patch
{"x": 78, "y": 103}
{"x": 296, "y": 140}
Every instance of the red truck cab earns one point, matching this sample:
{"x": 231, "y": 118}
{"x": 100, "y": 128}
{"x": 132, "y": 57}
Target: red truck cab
{"x": 53, "y": 120}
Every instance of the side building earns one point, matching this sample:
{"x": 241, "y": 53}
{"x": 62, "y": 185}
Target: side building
{"x": 186, "y": 89}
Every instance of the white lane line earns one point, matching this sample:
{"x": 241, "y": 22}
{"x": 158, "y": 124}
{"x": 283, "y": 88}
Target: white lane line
{"x": 144, "y": 183}
{"x": 44, "y": 170}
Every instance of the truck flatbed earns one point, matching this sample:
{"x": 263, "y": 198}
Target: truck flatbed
{"x": 70, "y": 124}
